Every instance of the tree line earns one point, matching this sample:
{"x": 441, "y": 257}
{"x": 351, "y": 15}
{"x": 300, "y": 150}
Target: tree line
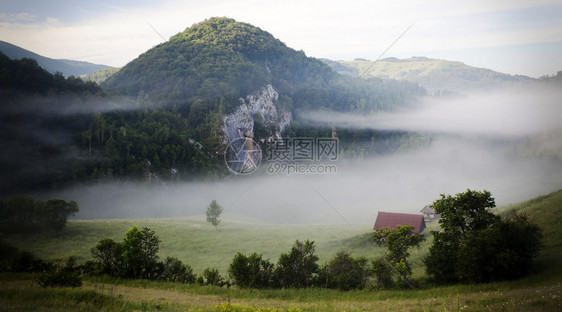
{"x": 23, "y": 214}
{"x": 474, "y": 245}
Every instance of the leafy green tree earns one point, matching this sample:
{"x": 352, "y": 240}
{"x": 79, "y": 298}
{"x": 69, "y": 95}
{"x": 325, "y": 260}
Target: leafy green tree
{"x": 109, "y": 253}
{"x": 344, "y": 272}
{"x": 299, "y": 267}
{"x": 398, "y": 241}
{"x": 477, "y": 246}
{"x": 66, "y": 276}
{"x": 24, "y": 214}
{"x": 383, "y": 272}
{"x": 213, "y": 213}
{"x": 504, "y": 251}
{"x": 212, "y": 277}
{"x": 466, "y": 212}
{"x": 251, "y": 271}
{"x": 140, "y": 253}
{"x": 173, "y": 270}
{"x": 55, "y": 212}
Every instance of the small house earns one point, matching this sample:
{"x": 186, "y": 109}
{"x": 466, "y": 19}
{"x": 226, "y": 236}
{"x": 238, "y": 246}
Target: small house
{"x": 393, "y": 219}
{"x": 428, "y": 213}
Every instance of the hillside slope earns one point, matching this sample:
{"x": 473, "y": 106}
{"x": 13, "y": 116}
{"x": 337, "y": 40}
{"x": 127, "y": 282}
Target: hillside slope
{"x": 66, "y": 67}
{"x": 433, "y": 74}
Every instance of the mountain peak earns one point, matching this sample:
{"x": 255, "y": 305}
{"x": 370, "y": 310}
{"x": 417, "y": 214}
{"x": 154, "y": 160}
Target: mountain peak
{"x": 228, "y": 35}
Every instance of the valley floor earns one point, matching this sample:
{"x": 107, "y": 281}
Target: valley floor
{"x": 540, "y": 291}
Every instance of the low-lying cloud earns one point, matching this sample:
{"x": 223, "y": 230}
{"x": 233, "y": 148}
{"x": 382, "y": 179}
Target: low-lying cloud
{"x": 507, "y": 143}
{"x": 514, "y": 113}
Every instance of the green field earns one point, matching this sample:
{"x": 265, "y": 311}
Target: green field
{"x": 201, "y": 246}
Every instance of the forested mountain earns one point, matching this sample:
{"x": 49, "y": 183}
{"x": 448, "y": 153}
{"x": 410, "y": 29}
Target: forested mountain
{"x": 200, "y": 76}
{"x": 66, "y": 67}
{"x": 221, "y": 59}
{"x": 433, "y": 74}
{"x": 166, "y": 115}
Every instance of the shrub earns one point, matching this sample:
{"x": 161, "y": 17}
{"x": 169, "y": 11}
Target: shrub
{"x": 212, "y": 277}
{"x": 109, "y": 255}
{"x": 26, "y": 261}
{"x": 345, "y": 272}
{"x": 173, "y": 270}
{"x": 251, "y": 271}
{"x": 60, "y": 278}
{"x": 383, "y": 273}
{"x": 299, "y": 267}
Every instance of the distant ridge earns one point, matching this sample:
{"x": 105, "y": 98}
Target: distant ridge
{"x": 66, "y": 67}
{"x": 433, "y": 74}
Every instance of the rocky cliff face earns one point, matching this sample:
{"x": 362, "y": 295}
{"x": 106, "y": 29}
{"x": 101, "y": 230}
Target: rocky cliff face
{"x": 241, "y": 123}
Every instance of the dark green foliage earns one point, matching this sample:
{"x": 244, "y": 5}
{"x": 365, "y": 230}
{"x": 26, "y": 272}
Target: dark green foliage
{"x": 441, "y": 262}
{"x": 212, "y": 277}
{"x": 465, "y": 212}
{"x": 7, "y": 252}
{"x": 140, "y": 253}
{"x": 26, "y": 261}
{"x": 476, "y": 245}
{"x": 173, "y": 270}
{"x": 299, "y": 267}
{"x": 24, "y": 214}
{"x": 54, "y": 212}
{"x": 213, "y": 213}
{"x": 109, "y": 255}
{"x": 59, "y": 278}
{"x": 344, "y": 272}
{"x": 136, "y": 257}
{"x": 383, "y": 272}
{"x": 148, "y": 145}
{"x": 66, "y": 276}
{"x": 251, "y": 271}
{"x": 503, "y": 251}
{"x": 398, "y": 241}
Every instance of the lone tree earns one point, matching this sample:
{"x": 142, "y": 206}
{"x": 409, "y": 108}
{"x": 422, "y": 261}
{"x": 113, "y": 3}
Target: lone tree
{"x": 214, "y": 211}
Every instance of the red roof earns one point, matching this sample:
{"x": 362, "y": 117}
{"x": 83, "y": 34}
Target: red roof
{"x": 392, "y": 220}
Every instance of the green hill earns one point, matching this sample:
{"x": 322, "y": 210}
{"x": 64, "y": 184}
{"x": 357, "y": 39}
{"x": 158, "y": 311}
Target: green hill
{"x": 66, "y": 67}
{"x": 222, "y": 60}
{"x": 433, "y": 74}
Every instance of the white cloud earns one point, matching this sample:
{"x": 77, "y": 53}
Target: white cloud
{"x": 506, "y": 114}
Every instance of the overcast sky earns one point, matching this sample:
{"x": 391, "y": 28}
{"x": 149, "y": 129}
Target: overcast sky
{"x": 515, "y": 37}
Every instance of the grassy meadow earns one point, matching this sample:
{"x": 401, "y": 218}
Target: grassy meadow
{"x": 200, "y": 245}
{"x": 194, "y": 242}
